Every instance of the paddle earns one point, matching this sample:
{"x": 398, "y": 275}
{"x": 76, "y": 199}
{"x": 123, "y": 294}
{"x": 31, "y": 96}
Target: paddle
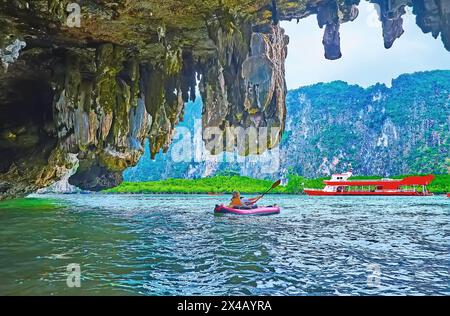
{"x": 274, "y": 185}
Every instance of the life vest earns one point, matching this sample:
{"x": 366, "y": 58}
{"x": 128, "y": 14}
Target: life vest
{"x": 236, "y": 202}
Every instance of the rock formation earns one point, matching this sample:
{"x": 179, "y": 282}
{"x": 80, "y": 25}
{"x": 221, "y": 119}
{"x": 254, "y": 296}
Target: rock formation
{"x": 404, "y": 129}
{"x": 95, "y": 78}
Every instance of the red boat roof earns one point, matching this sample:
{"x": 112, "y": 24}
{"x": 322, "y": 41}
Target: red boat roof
{"x": 387, "y": 184}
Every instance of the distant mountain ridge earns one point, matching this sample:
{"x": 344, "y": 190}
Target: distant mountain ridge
{"x": 385, "y": 131}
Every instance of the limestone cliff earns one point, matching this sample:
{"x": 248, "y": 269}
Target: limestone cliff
{"x": 380, "y": 130}
{"x": 95, "y": 78}
{"x": 404, "y": 129}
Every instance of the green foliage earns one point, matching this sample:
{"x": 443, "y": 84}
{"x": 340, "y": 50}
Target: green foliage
{"x": 228, "y": 184}
{"x": 347, "y": 122}
{"x": 340, "y": 121}
{"x": 216, "y": 184}
{"x": 297, "y": 183}
{"x": 441, "y": 184}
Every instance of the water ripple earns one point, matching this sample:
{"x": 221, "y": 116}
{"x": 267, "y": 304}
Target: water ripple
{"x": 172, "y": 245}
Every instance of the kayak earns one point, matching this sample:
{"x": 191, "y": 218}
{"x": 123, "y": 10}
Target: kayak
{"x": 263, "y": 210}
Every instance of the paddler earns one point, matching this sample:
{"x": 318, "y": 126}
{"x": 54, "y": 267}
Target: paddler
{"x": 237, "y": 201}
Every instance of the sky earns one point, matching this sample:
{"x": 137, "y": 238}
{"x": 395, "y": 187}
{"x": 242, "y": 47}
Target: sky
{"x": 365, "y": 61}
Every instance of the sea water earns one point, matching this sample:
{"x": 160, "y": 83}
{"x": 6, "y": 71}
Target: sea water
{"x": 175, "y": 245}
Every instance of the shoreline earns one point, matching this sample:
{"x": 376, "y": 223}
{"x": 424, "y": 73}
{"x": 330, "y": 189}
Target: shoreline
{"x": 197, "y": 193}
{"x": 222, "y": 185}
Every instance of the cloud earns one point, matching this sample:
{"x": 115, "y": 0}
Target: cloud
{"x": 365, "y": 61}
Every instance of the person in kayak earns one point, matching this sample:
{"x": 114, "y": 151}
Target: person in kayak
{"x": 237, "y": 201}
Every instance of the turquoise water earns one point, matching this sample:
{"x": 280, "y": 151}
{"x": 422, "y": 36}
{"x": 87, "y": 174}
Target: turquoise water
{"x": 173, "y": 245}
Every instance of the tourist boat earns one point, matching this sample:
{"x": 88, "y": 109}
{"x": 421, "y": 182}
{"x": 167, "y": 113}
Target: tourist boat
{"x": 339, "y": 184}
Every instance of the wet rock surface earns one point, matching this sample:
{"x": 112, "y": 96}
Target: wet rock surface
{"x": 98, "y": 88}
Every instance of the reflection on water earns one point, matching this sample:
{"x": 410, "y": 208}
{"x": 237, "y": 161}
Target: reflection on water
{"x": 172, "y": 244}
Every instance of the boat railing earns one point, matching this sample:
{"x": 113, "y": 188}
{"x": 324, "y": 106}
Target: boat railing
{"x": 350, "y": 188}
{"x": 365, "y": 180}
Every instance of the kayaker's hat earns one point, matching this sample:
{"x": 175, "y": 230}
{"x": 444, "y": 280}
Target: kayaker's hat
{"x": 235, "y": 193}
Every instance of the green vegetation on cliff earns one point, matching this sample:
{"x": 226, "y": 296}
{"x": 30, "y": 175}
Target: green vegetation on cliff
{"x": 227, "y": 184}
{"x": 379, "y": 130}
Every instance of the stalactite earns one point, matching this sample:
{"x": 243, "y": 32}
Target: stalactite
{"x": 391, "y": 13}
